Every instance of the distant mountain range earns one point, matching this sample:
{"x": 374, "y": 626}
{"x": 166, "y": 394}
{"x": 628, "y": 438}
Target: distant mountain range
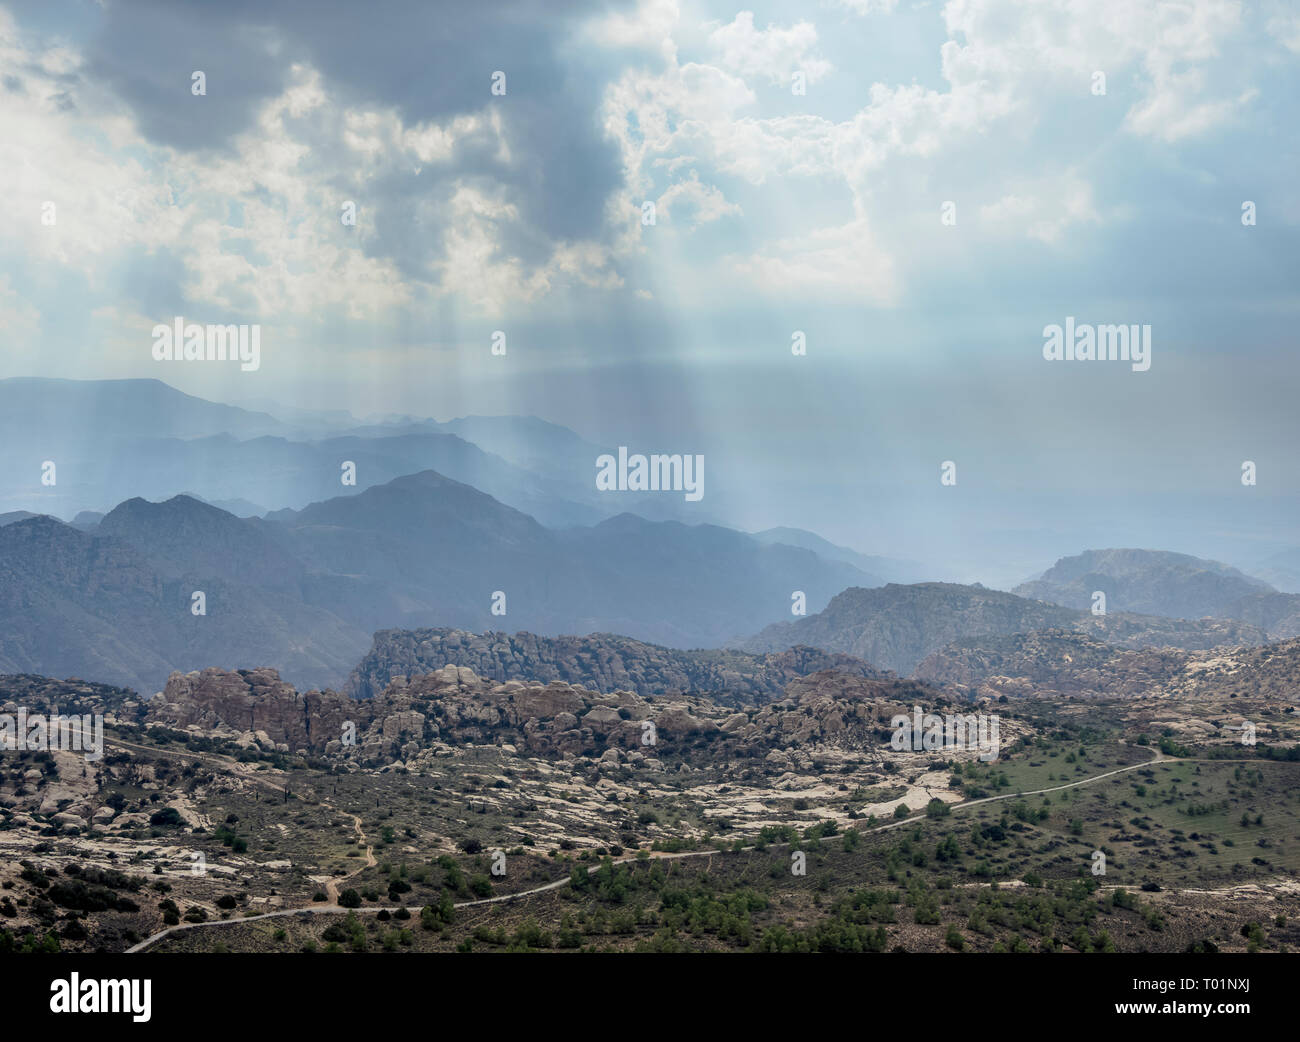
{"x": 451, "y": 523}
{"x": 144, "y": 438}
{"x": 1281, "y": 570}
{"x": 305, "y": 590}
{"x": 887, "y": 569}
{"x": 116, "y": 411}
{"x": 274, "y": 473}
{"x": 1155, "y": 582}
{"x": 1148, "y": 581}
{"x": 896, "y": 627}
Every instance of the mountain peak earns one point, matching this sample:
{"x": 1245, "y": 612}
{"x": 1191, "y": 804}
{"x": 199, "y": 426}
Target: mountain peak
{"x": 1153, "y": 582}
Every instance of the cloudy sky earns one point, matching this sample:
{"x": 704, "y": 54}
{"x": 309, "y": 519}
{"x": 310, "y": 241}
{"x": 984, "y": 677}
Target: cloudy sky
{"x": 949, "y": 181}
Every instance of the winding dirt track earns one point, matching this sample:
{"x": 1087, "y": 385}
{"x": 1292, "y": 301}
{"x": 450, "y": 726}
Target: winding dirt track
{"x": 332, "y": 886}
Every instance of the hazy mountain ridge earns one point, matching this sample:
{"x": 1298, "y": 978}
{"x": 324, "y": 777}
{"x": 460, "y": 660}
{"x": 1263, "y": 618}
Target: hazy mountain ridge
{"x": 443, "y": 549}
{"x": 144, "y": 438}
{"x": 184, "y": 536}
{"x": 305, "y": 593}
{"x": 882, "y": 569}
{"x": 1149, "y": 582}
{"x": 896, "y": 627}
{"x": 118, "y": 410}
{"x": 1281, "y": 570}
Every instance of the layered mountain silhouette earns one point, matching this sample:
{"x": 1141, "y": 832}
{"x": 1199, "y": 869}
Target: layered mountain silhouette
{"x": 305, "y": 591}
{"x": 1154, "y": 582}
{"x": 145, "y": 438}
{"x": 428, "y": 549}
{"x": 451, "y": 523}
{"x": 888, "y": 569}
{"x": 117, "y": 411}
{"x": 279, "y": 472}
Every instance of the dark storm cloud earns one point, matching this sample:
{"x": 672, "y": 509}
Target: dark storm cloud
{"x": 146, "y": 53}
{"x": 428, "y": 61}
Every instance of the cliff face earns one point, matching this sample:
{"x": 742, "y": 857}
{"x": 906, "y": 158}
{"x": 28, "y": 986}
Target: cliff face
{"x": 253, "y": 700}
{"x": 600, "y": 662}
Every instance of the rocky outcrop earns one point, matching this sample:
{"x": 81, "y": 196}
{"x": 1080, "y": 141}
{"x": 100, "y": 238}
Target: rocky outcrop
{"x": 70, "y": 696}
{"x": 1051, "y": 663}
{"x": 417, "y": 718}
{"x": 252, "y": 700}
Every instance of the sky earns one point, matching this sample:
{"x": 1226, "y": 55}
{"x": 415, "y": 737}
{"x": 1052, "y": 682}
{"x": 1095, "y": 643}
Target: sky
{"x": 950, "y": 180}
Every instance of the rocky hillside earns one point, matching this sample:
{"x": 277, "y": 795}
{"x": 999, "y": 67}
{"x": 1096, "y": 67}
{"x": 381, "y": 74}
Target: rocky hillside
{"x": 1050, "y": 663}
{"x": 71, "y": 696}
{"x": 418, "y": 718}
{"x": 103, "y": 607}
{"x": 895, "y": 627}
{"x": 1154, "y": 631}
{"x": 1271, "y": 671}
{"x": 601, "y": 662}
{"x": 1276, "y": 613}
{"x": 1064, "y": 663}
